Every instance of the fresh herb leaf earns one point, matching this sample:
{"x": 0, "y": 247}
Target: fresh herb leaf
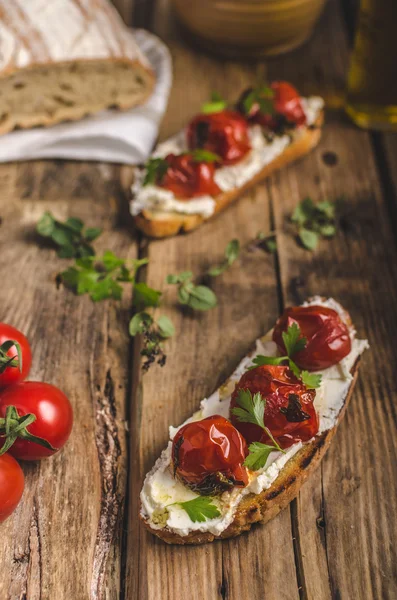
{"x": 261, "y": 96}
{"x": 217, "y": 104}
{"x": 198, "y": 297}
{"x": 258, "y": 455}
{"x": 232, "y": 252}
{"x": 156, "y": 168}
{"x": 311, "y": 380}
{"x": 261, "y": 360}
{"x": 70, "y": 237}
{"x": 308, "y": 238}
{"x": 314, "y": 220}
{"x": 292, "y": 341}
{"x": 250, "y": 409}
{"x": 200, "y": 155}
{"x": 139, "y": 323}
{"x": 165, "y": 327}
{"x": 271, "y": 245}
{"x": 294, "y": 412}
{"x": 145, "y": 296}
{"x": 200, "y": 509}
{"x": 294, "y": 368}
{"x": 100, "y": 277}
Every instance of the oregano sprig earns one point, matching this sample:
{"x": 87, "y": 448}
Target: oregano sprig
{"x": 198, "y": 297}
{"x": 71, "y": 237}
{"x": 232, "y": 252}
{"x": 313, "y": 221}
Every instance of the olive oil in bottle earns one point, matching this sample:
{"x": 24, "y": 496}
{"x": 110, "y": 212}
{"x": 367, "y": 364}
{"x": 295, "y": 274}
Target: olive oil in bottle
{"x": 372, "y": 82}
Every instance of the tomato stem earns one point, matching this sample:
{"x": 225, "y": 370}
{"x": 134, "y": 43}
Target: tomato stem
{"x": 13, "y": 426}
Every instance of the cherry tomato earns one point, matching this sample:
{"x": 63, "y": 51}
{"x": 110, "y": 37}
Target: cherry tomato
{"x": 13, "y": 375}
{"x": 54, "y": 417}
{"x": 11, "y": 485}
{"x": 328, "y": 339}
{"x": 287, "y": 107}
{"x": 208, "y": 455}
{"x": 224, "y": 133}
{"x": 187, "y": 177}
{"x": 277, "y": 384}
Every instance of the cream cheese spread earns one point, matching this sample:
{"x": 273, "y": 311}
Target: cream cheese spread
{"x": 263, "y": 152}
{"x": 161, "y": 489}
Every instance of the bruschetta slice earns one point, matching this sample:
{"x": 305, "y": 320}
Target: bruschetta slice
{"x": 244, "y": 455}
{"x": 221, "y": 153}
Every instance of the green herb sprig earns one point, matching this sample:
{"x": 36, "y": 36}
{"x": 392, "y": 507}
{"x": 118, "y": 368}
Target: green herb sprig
{"x": 232, "y": 252}
{"x": 200, "y": 509}
{"x": 314, "y": 221}
{"x": 263, "y": 97}
{"x": 71, "y": 237}
{"x": 198, "y": 297}
{"x": 251, "y": 409}
{"x": 216, "y": 104}
{"x": 293, "y": 343}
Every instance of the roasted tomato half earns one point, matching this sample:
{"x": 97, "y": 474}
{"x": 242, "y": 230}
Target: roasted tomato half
{"x": 287, "y": 107}
{"x": 208, "y": 456}
{"x": 328, "y": 339}
{"x": 289, "y": 412}
{"x": 224, "y": 133}
{"x": 187, "y": 177}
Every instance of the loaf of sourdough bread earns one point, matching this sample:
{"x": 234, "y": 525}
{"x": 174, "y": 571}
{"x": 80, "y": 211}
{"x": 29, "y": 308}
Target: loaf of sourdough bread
{"x": 64, "y": 59}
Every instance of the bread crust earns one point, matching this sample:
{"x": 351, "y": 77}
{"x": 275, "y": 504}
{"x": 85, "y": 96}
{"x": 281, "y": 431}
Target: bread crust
{"x": 261, "y": 508}
{"x": 164, "y": 224}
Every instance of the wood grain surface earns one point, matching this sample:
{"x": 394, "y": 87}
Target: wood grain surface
{"x": 71, "y": 537}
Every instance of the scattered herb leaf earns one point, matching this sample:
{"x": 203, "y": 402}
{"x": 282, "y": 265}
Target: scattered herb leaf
{"x": 250, "y": 409}
{"x": 232, "y": 252}
{"x": 258, "y": 455}
{"x": 200, "y": 155}
{"x": 70, "y": 237}
{"x": 314, "y": 221}
{"x": 311, "y": 380}
{"x": 198, "y": 297}
{"x": 292, "y": 342}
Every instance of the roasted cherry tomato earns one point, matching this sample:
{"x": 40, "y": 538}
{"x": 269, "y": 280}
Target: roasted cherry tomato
{"x": 208, "y": 455}
{"x": 328, "y": 339}
{"x": 224, "y": 133}
{"x": 12, "y": 374}
{"x": 54, "y": 418}
{"x": 287, "y": 108}
{"x": 284, "y": 394}
{"x": 187, "y": 177}
{"x": 11, "y": 485}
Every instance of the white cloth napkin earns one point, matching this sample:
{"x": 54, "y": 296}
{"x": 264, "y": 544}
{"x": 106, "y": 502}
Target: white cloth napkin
{"x": 109, "y": 136}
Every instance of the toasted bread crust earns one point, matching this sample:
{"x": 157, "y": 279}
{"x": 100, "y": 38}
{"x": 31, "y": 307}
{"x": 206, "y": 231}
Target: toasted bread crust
{"x": 165, "y": 224}
{"x": 261, "y": 508}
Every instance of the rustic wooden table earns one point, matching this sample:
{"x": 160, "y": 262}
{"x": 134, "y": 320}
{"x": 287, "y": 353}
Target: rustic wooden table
{"x": 76, "y": 533}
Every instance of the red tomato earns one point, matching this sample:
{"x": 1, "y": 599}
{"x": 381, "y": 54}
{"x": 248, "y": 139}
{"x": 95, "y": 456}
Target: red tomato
{"x": 13, "y": 375}
{"x": 208, "y": 455}
{"x": 54, "y": 417}
{"x": 328, "y": 339}
{"x": 224, "y": 133}
{"x": 276, "y": 384}
{"x": 187, "y": 177}
{"x": 11, "y": 485}
{"x": 287, "y": 106}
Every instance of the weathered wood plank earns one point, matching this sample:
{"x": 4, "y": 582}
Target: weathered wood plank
{"x": 342, "y": 513}
{"x": 64, "y": 539}
{"x": 202, "y": 354}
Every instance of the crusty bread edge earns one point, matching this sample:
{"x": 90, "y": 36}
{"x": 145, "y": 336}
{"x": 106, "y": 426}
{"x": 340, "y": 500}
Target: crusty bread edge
{"x": 74, "y": 114}
{"x": 161, "y": 224}
{"x": 261, "y": 508}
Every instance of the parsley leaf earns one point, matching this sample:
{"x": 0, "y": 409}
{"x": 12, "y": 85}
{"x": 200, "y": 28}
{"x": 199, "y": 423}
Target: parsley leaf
{"x": 261, "y": 360}
{"x": 261, "y": 96}
{"x": 258, "y": 455}
{"x": 217, "y": 104}
{"x": 200, "y": 509}
{"x": 311, "y": 380}
{"x": 70, "y": 237}
{"x": 198, "y": 297}
{"x": 292, "y": 342}
{"x": 250, "y": 409}
{"x": 232, "y": 252}
{"x": 156, "y": 168}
